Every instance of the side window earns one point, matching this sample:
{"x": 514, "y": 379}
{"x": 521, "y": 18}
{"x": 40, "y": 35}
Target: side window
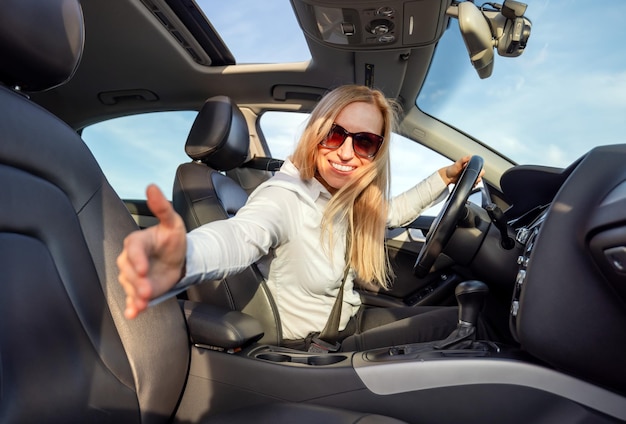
{"x": 282, "y": 131}
{"x": 134, "y": 151}
{"x": 411, "y": 162}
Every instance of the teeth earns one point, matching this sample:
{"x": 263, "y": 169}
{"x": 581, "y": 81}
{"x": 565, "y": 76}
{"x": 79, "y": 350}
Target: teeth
{"x": 344, "y": 168}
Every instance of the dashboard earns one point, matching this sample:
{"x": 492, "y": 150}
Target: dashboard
{"x": 526, "y": 236}
{"x": 569, "y": 302}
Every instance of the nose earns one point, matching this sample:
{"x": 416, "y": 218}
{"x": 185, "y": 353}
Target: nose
{"x": 346, "y": 150}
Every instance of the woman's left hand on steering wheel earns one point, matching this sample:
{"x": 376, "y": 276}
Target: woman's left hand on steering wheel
{"x": 450, "y": 174}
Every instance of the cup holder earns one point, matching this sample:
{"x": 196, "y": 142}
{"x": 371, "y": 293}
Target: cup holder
{"x": 325, "y": 360}
{"x": 300, "y": 359}
{"x": 274, "y": 357}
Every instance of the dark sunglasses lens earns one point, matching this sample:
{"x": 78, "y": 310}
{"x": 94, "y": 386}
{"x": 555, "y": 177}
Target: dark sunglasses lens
{"x": 335, "y": 138}
{"x": 366, "y": 144}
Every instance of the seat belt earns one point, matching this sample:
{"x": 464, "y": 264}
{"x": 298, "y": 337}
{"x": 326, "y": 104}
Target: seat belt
{"x": 263, "y": 164}
{"x": 327, "y": 340}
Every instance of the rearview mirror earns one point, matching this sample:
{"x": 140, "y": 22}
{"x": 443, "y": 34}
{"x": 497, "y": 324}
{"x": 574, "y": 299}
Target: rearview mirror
{"x": 505, "y": 30}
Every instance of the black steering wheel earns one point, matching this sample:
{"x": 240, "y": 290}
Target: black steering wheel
{"x": 444, "y": 225}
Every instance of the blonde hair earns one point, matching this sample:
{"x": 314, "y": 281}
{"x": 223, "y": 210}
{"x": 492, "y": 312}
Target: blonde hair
{"x": 363, "y": 202}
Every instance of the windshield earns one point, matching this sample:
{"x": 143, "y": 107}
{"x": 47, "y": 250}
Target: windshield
{"x": 565, "y": 94}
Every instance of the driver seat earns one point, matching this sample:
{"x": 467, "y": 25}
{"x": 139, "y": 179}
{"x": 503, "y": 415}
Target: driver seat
{"x": 67, "y": 354}
{"x": 218, "y": 142}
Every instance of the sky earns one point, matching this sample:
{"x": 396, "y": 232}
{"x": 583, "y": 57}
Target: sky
{"x": 563, "y": 95}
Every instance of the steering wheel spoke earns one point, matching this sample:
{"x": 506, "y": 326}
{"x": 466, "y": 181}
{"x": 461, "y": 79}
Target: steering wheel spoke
{"x": 445, "y": 224}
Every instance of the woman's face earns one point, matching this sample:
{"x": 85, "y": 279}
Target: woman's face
{"x": 336, "y": 166}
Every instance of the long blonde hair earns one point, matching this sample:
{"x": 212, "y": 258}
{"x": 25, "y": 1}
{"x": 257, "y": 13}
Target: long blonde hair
{"x": 363, "y": 202}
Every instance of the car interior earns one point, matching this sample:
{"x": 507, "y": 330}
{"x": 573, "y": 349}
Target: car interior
{"x": 546, "y": 245}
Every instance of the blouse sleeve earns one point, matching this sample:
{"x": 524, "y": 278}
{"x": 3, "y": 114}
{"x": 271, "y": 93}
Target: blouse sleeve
{"x": 220, "y": 248}
{"x": 406, "y": 207}
{"x": 225, "y": 247}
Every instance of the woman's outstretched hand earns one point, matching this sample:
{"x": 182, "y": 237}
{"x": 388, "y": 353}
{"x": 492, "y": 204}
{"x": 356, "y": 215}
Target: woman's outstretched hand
{"x": 153, "y": 259}
{"x": 450, "y": 174}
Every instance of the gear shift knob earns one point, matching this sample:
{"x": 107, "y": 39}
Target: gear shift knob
{"x": 470, "y": 296}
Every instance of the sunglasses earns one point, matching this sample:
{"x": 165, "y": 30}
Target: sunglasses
{"x": 365, "y": 144}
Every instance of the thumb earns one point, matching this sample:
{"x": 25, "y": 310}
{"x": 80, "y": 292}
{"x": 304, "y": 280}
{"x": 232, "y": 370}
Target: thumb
{"x": 160, "y": 206}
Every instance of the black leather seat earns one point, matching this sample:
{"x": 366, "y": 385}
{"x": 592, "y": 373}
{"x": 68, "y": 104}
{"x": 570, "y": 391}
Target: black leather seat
{"x": 67, "y": 353}
{"x": 218, "y": 142}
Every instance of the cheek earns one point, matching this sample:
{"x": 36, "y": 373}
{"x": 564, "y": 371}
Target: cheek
{"x": 321, "y": 158}
{"x": 321, "y": 166}
{"x": 325, "y": 172}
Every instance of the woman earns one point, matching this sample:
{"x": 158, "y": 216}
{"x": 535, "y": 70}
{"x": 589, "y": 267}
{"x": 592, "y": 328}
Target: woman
{"x": 327, "y": 207}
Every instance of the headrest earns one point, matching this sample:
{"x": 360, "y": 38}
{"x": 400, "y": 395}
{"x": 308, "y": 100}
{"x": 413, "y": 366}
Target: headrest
{"x": 41, "y": 42}
{"x": 219, "y": 136}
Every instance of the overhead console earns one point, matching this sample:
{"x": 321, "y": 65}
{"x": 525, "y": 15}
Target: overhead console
{"x": 368, "y": 25}
{"x": 371, "y": 25}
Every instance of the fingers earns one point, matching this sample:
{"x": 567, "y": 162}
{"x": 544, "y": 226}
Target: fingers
{"x": 136, "y": 301}
{"x": 133, "y": 307}
{"x": 151, "y": 256}
{"x": 134, "y": 257}
{"x": 133, "y": 264}
{"x": 452, "y": 173}
{"x": 480, "y": 177}
{"x": 462, "y": 162}
{"x": 126, "y": 278}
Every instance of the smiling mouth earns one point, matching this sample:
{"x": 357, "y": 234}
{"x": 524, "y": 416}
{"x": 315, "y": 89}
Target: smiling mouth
{"x": 342, "y": 168}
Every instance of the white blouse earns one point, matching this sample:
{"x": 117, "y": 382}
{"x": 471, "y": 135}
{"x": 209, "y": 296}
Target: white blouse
{"x": 279, "y": 228}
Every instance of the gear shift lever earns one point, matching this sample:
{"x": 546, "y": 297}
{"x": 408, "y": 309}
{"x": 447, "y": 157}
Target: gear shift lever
{"x": 470, "y": 296}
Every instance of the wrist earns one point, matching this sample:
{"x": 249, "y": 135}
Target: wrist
{"x": 444, "y": 176}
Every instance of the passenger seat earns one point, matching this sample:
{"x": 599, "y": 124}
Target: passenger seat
{"x": 218, "y": 142}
